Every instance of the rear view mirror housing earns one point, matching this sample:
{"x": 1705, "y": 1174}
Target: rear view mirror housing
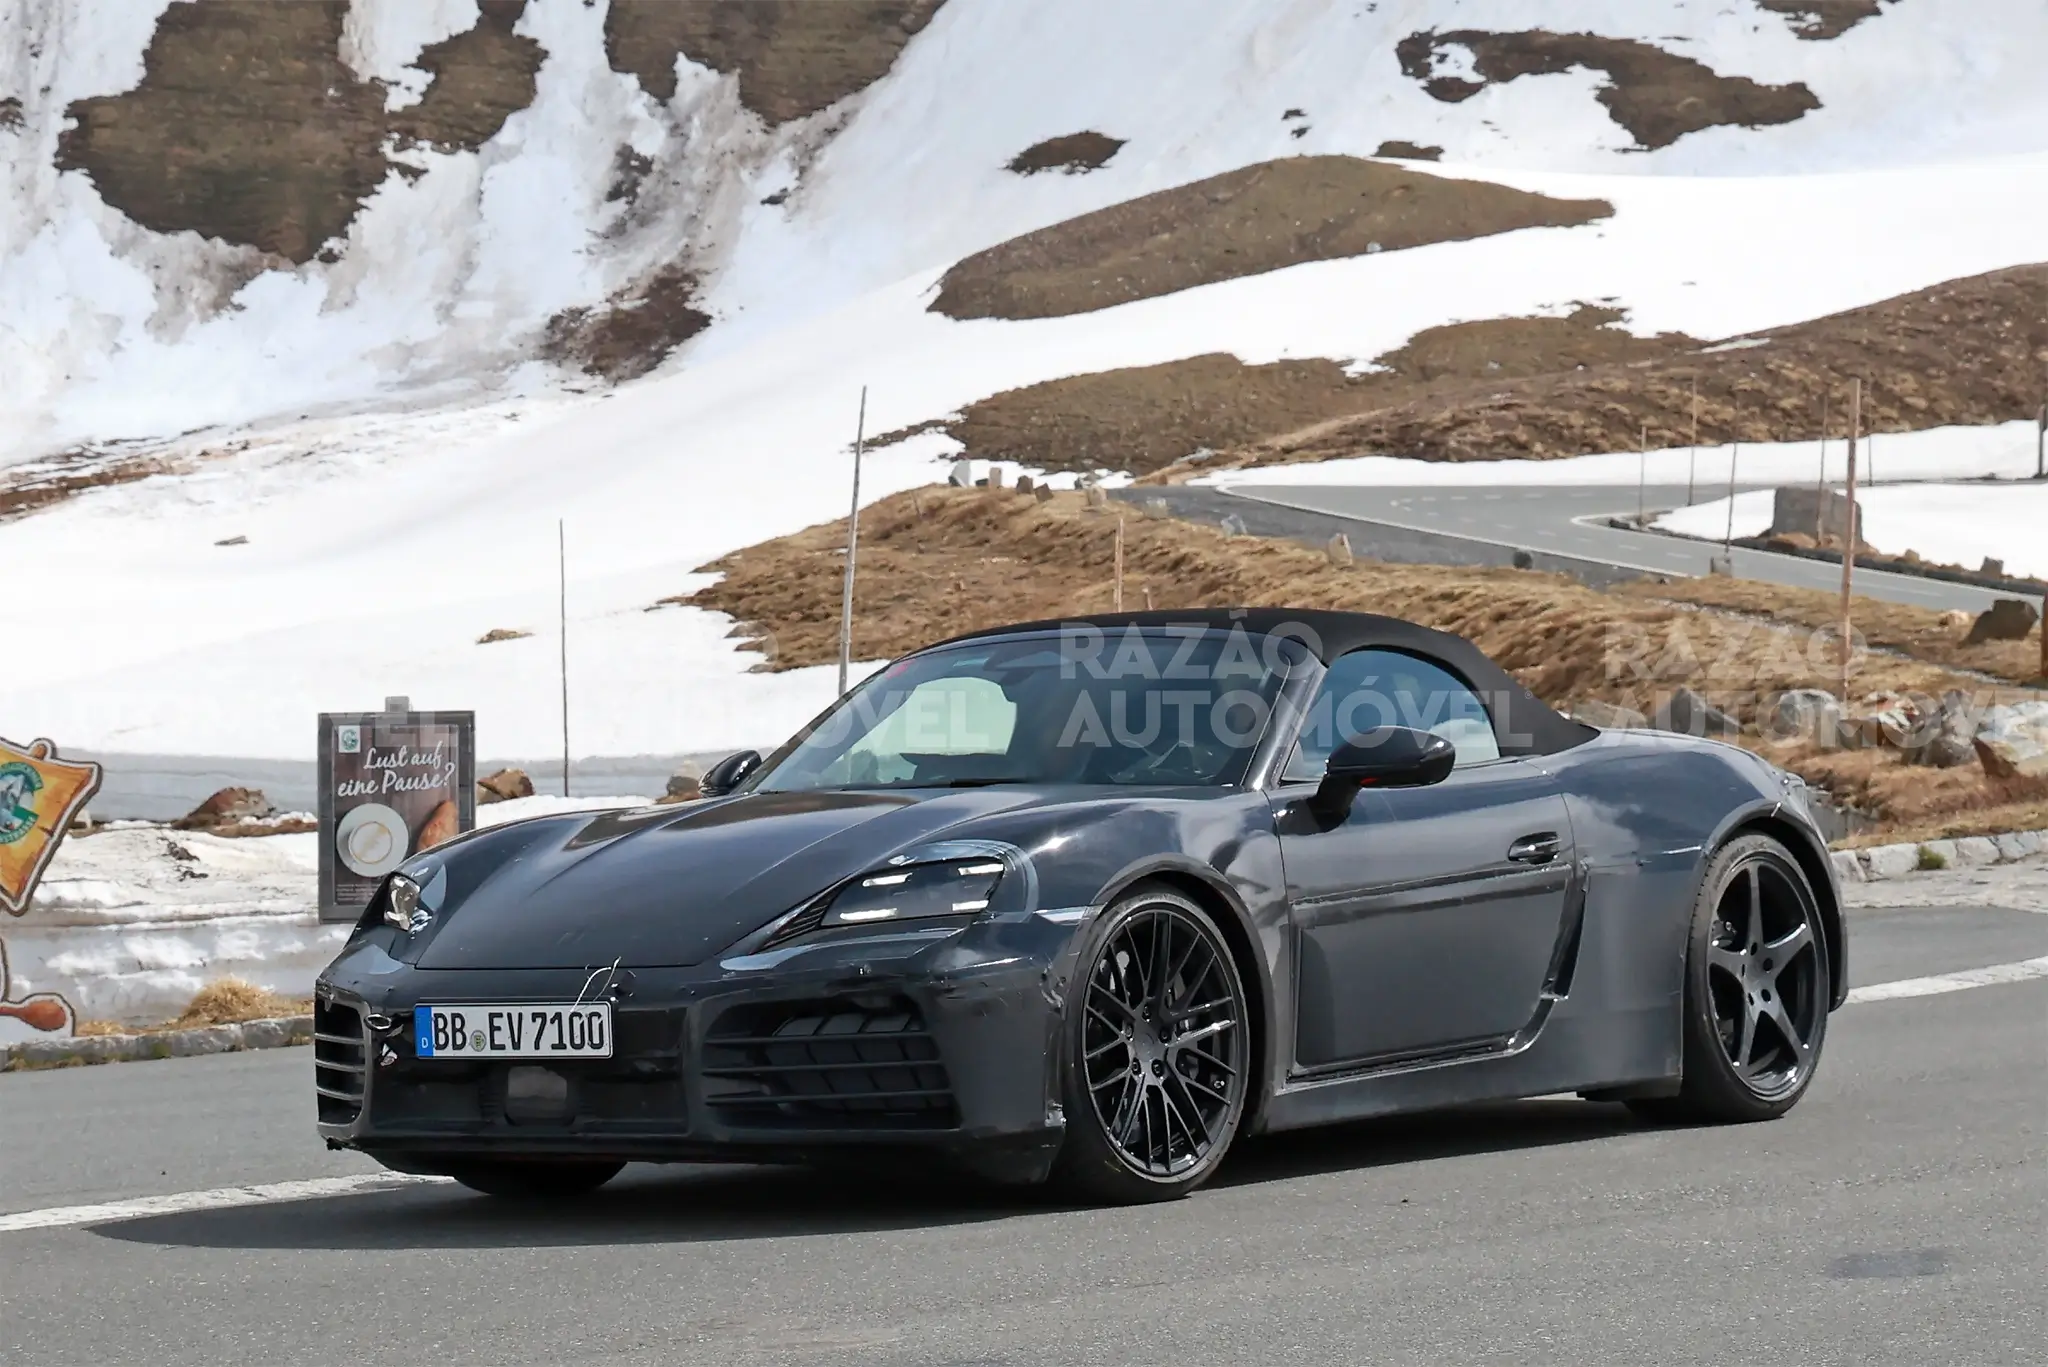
{"x": 729, "y": 773}
{"x": 1384, "y": 757}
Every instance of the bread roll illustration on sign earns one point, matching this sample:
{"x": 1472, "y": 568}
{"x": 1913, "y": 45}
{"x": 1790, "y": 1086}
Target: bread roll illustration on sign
{"x": 441, "y": 826}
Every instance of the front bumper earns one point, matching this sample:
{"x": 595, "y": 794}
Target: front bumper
{"x": 943, "y": 1041}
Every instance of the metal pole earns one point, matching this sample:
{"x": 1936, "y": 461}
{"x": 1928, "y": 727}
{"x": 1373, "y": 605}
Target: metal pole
{"x": 1643, "y": 478}
{"x": 1692, "y": 460}
{"x": 1734, "y": 456}
{"x": 1849, "y": 531}
{"x": 860, "y": 433}
{"x": 562, "y": 563}
{"x": 1820, "y": 488}
{"x": 1118, "y": 605}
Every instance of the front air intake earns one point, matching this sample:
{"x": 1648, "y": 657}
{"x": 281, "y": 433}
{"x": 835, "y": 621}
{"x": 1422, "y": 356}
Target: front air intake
{"x": 340, "y": 1061}
{"x": 826, "y": 1065}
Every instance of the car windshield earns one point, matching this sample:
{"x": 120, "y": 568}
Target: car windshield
{"x": 1170, "y": 705}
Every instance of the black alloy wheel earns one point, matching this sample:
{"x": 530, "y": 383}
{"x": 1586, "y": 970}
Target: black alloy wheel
{"x": 1757, "y": 989}
{"x": 538, "y": 1179}
{"x": 1159, "y": 1060}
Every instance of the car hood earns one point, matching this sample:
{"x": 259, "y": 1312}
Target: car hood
{"x": 672, "y": 886}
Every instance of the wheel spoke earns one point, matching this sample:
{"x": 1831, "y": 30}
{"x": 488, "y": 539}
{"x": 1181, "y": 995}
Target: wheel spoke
{"x": 1746, "y": 1038}
{"x": 1754, "y": 931}
{"x": 1099, "y": 1050}
{"x": 1786, "y": 947}
{"x": 1202, "y": 1032}
{"x": 1781, "y": 1022}
{"x": 1156, "y": 982}
{"x": 1197, "y": 1142}
{"x": 1729, "y": 961}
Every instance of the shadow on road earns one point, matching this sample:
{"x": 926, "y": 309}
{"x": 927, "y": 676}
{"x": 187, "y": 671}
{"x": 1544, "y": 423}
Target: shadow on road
{"x": 708, "y": 1204}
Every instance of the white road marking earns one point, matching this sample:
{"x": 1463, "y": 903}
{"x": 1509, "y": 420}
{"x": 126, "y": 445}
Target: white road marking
{"x": 270, "y": 1193}
{"x": 220, "y": 1198}
{"x": 2019, "y": 972}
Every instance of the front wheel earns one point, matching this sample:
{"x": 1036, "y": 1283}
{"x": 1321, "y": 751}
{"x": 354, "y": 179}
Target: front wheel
{"x": 532, "y": 1180}
{"x": 1158, "y": 1041}
{"x": 1756, "y": 990}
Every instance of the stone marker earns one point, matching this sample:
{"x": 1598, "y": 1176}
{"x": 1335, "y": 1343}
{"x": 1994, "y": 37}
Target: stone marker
{"x": 1339, "y": 549}
{"x": 2008, "y": 619}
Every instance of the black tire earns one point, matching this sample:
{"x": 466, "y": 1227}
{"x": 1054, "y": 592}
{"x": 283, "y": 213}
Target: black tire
{"x": 1158, "y": 1052}
{"x": 532, "y": 1179}
{"x": 1757, "y": 990}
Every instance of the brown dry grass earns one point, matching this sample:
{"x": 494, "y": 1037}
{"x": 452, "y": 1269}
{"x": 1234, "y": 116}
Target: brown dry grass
{"x": 938, "y": 562}
{"x": 1145, "y": 418}
{"x": 1658, "y": 96}
{"x": 1963, "y": 353}
{"x": 1244, "y": 222}
{"x": 229, "y": 1001}
{"x": 1916, "y": 632}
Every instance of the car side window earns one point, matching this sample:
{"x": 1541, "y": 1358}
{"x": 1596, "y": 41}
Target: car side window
{"x": 1370, "y": 688}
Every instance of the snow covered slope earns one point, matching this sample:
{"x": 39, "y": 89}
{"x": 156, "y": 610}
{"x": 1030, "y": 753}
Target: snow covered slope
{"x": 374, "y": 421}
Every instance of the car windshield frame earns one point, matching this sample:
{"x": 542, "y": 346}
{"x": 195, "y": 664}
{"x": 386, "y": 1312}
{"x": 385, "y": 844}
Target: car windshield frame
{"x": 1141, "y": 660}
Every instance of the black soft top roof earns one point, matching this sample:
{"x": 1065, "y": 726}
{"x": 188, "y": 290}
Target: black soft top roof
{"x": 1522, "y": 722}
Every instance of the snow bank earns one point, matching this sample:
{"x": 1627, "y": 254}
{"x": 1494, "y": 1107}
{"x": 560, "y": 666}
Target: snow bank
{"x": 1948, "y": 524}
{"x": 129, "y": 923}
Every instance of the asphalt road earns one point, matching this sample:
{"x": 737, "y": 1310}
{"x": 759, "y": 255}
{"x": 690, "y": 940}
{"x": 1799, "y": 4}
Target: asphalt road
{"x": 1567, "y": 522}
{"x": 1899, "y": 1215}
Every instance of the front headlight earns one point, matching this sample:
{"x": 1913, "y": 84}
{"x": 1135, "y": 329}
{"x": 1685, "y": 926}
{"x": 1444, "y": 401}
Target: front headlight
{"x": 953, "y": 887}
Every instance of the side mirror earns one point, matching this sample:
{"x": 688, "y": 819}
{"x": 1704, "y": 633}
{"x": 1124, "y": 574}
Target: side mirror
{"x": 1384, "y": 757}
{"x": 729, "y": 773}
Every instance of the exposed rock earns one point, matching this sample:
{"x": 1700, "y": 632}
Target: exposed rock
{"x": 1806, "y": 714}
{"x": 10, "y": 115}
{"x": 248, "y": 127}
{"x": 1820, "y": 20}
{"x": 1607, "y": 716}
{"x": 686, "y": 784}
{"x": 1800, "y": 509}
{"x": 633, "y": 331}
{"x": 1339, "y": 549}
{"x": 503, "y": 786}
{"x": 1687, "y": 713}
{"x": 1073, "y": 153}
{"x": 1955, "y": 619}
{"x": 1892, "y": 861}
{"x": 1658, "y": 96}
{"x": 2012, "y": 742}
{"x": 1884, "y": 720}
{"x": 1943, "y": 735}
{"x": 1522, "y": 560}
{"x": 496, "y": 634}
{"x": 226, "y": 807}
{"x": 791, "y": 57}
{"x": 2008, "y": 619}
{"x": 1993, "y": 568}
{"x": 1409, "y": 151}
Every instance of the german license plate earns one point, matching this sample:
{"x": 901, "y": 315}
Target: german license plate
{"x": 513, "y": 1031}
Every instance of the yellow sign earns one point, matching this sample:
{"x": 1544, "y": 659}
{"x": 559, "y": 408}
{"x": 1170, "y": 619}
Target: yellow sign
{"x": 39, "y": 796}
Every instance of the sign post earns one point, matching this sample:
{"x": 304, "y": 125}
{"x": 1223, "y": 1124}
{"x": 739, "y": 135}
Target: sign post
{"x": 392, "y": 783}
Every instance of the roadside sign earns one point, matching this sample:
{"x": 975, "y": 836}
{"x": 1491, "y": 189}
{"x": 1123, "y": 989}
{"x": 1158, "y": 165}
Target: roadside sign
{"x": 40, "y": 796}
{"x": 392, "y": 783}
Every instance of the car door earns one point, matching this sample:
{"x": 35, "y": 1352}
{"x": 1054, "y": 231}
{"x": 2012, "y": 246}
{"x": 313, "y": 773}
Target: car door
{"x": 1427, "y": 920}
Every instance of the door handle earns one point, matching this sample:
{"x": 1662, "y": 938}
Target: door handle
{"x": 1540, "y": 848}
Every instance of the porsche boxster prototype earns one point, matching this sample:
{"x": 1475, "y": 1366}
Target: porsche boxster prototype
{"x": 1087, "y": 901}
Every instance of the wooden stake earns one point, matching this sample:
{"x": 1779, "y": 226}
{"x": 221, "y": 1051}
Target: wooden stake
{"x": 1849, "y": 530}
{"x": 1734, "y": 457}
{"x": 1692, "y": 460}
{"x": 1148, "y": 608}
{"x": 1820, "y": 489}
{"x": 1118, "y": 599}
{"x": 860, "y": 433}
{"x": 1643, "y": 478}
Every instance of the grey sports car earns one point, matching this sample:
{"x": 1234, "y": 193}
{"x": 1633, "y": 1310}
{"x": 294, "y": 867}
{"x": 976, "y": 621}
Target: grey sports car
{"x": 1088, "y": 900}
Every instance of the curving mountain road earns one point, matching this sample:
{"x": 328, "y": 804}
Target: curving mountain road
{"x": 1568, "y": 523}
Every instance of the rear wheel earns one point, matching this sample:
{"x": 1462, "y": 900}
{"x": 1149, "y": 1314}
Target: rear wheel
{"x": 532, "y": 1180}
{"x": 1158, "y": 1041}
{"x": 1756, "y": 990}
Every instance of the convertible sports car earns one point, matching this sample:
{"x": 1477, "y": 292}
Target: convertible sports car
{"x": 1089, "y": 900}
